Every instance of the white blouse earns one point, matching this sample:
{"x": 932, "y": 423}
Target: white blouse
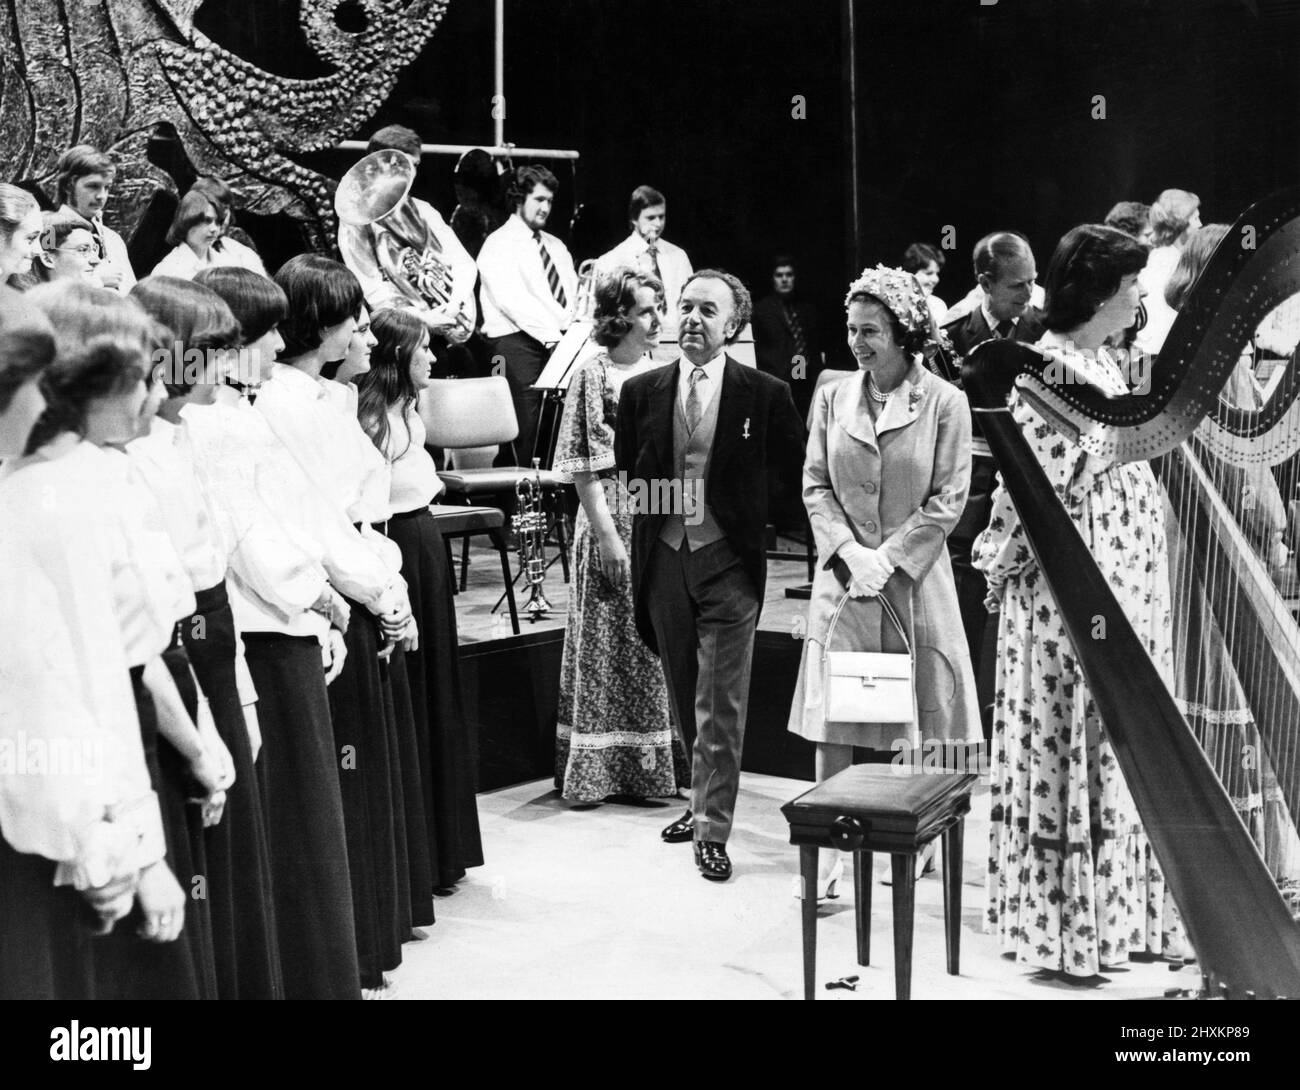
{"x": 278, "y": 433}
{"x": 305, "y": 416}
{"x": 90, "y": 589}
{"x": 165, "y": 461}
{"x": 415, "y": 477}
{"x": 271, "y": 516}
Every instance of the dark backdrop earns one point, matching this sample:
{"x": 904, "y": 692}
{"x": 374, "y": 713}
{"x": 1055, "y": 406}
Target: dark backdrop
{"x": 971, "y": 116}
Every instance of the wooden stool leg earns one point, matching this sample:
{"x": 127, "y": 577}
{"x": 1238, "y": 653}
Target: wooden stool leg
{"x": 808, "y": 876}
{"x": 904, "y": 874}
{"x": 862, "y": 903}
{"x": 952, "y": 867}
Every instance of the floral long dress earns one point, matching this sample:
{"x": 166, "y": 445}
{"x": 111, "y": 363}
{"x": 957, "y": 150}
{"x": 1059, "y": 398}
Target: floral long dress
{"x": 613, "y": 735}
{"x": 1073, "y": 884}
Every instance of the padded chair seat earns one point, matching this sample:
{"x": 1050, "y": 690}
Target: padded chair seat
{"x": 453, "y": 519}
{"x": 490, "y": 479}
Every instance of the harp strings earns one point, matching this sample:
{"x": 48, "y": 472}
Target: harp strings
{"x": 1233, "y": 696}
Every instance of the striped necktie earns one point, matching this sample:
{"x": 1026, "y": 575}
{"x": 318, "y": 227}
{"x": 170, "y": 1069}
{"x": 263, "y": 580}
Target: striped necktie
{"x": 653, "y": 250}
{"x": 552, "y": 273}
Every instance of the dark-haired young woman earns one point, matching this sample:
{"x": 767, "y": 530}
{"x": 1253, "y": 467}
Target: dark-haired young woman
{"x": 199, "y": 330}
{"x": 325, "y": 313}
{"x": 400, "y": 368}
{"x": 97, "y": 399}
{"x": 1073, "y": 886}
{"x": 290, "y": 539}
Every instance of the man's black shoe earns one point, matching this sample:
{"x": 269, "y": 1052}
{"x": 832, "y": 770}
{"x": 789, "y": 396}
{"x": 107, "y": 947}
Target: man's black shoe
{"x": 681, "y": 830}
{"x": 711, "y": 858}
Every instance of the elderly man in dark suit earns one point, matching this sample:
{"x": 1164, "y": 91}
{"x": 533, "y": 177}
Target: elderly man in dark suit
{"x": 1005, "y": 270}
{"x": 706, "y": 442}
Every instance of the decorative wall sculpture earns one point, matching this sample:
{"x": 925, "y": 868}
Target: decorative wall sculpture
{"x": 112, "y": 72}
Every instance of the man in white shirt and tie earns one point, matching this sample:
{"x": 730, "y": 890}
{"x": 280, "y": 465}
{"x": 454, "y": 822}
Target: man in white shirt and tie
{"x": 83, "y": 177}
{"x": 528, "y": 291}
{"x": 646, "y": 250}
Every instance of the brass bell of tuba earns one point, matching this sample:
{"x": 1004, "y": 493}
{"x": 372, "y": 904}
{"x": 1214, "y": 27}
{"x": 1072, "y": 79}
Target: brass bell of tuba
{"x": 375, "y": 194}
{"x": 530, "y": 528}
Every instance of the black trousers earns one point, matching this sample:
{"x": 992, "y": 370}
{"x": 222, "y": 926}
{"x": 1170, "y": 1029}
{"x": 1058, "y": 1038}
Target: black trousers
{"x": 522, "y": 358}
{"x": 972, "y": 587}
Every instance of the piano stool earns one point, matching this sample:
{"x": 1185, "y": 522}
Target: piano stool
{"x": 882, "y": 808}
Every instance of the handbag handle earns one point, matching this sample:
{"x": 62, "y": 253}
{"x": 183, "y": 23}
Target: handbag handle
{"x": 885, "y": 604}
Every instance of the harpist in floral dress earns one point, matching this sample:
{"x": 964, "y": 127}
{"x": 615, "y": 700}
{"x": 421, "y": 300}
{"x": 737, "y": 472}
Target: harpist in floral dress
{"x": 613, "y": 735}
{"x": 1073, "y": 885}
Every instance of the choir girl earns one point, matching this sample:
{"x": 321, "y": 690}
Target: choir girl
{"x": 389, "y": 392}
{"x": 199, "y": 329}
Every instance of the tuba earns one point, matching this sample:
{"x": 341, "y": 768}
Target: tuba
{"x": 530, "y": 528}
{"x": 375, "y": 194}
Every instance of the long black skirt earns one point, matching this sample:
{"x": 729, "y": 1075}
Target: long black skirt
{"x": 365, "y": 740}
{"x": 125, "y": 965}
{"x": 238, "y": 851}
{"x": 448, "y": 750}
{"x": 298, "y": 774}
{"x": 45, "y": 932}
{"x": 418, "y": 860}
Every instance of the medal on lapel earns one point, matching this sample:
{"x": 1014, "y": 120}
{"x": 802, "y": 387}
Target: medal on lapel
{"x": 745, "y": 431}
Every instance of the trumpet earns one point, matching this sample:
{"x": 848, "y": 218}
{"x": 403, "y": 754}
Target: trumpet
{"x": 529, "y": 524}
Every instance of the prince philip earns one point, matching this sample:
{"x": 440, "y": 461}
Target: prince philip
{"x": 724, "y": 438}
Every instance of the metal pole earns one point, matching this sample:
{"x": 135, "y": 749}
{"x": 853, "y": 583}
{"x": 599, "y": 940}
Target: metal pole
{"x": 499, "y": 77}
{"x": 460, "y": 149}
{"x": 849, "y": 25}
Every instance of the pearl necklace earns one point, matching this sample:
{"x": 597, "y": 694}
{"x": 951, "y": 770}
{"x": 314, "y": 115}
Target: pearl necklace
{"x": 874, "y": 391}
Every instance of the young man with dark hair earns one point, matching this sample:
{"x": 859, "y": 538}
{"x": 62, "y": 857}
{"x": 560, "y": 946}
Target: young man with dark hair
{"x": 529, "y": 287}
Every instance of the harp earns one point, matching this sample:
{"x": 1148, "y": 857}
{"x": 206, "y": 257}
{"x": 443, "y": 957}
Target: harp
{"x": 1200, "y": 445}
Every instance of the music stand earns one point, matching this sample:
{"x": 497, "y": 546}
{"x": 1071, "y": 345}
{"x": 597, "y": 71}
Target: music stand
{"x": 574, "y": 348}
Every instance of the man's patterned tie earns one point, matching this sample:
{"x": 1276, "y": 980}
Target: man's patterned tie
{"x": 552, "y": 273}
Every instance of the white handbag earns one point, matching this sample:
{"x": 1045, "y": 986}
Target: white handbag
{"x": 868, "y": 686}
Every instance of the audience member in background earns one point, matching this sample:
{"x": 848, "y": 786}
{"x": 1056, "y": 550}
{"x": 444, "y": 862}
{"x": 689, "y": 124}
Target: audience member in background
{"x": 1133, "y": 218}
{"x": 20, "y": 233}
{"x": 647, "y": 251}
{"x": 68, "y": 250}
{"x": 1174, "y": 216}
{"x": 193, "y": 231}
{"x": 233, "y": 246}
{"x": 412, "y": 260}
{"x": 787, "y": 334}
{"x": 925, "y": 262}
{"x": 83, "y": 179}
{"x": 1005, "y": 271}
{"x": 529, "y": 289}
{"x": 478, "y": 210}
{"x": 614, "y": 735}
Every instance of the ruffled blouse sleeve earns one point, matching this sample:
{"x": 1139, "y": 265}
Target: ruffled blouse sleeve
{"x": 586, "y": 442}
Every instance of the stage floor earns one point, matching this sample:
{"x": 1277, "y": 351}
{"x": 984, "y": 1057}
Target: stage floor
{"x": 591, "y": 904}
{"x": 478, "y": 623}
